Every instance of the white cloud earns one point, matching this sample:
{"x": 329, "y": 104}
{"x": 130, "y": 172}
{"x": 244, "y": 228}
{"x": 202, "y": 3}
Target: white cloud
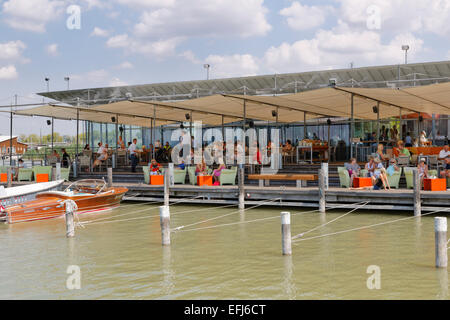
{"x": 31, "y": 15}
{"x": 303, "y": 17}
{"x": 8, "y": 73}
{"x": 190, "y": 56}
{"x": 205, "y": 18}
{"x": 52, "y": 49}
{"x": 99, "y": 32}
{"x": 232, "y": 65}
{"x": 400, "y": 15}
{"x": 159, "y": 48}
{"x": 125, "y": 65}
{"x": 12, "y": 50}
{"x": 116, "y": 82}
{"x": 147, "y": 3}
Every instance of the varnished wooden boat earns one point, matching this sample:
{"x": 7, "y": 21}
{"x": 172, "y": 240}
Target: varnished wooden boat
{"x": 89, "y": 195}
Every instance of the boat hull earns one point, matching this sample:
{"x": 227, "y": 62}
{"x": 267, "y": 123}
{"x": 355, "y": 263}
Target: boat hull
{"x": 18, "y": 195}
{"x": 50, "y": 205}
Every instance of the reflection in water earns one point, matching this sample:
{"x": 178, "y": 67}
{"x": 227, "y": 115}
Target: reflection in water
{"x": 168, "y": 273}
{"x": 240, "y": 260}
{"x": 289, "y": 287}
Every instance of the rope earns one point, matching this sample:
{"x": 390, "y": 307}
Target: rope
{"x": 320, "y": 226}
{"x": 370, "y": 226}
{"x": 222, "y": 216}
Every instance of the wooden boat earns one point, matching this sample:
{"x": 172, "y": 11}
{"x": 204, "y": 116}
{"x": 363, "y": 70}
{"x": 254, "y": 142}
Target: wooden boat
{"x": 16, "y": 195}
{"x": 89, "y": 195}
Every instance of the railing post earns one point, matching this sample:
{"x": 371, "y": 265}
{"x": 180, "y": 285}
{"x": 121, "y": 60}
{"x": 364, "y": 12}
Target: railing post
{"x": 286, "y": 238}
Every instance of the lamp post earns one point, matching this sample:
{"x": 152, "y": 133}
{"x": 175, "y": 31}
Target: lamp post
{"x": 405, "y": 48}
{"x": 47, "y": 80}
{"x": 207, "y": 66}
{"x": 67, "y": 79}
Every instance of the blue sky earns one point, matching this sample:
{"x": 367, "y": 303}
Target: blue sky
{"x": 143, "y": 41}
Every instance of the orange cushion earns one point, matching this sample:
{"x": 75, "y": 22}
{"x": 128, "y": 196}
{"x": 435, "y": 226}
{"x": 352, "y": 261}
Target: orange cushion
{"x": 157, "y": 180}
{"x": 42, "y": 177}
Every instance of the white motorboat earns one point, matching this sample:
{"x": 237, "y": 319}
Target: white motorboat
{"x": 16, "y": 195}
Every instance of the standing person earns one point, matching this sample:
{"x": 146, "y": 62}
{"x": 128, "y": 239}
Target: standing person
{"x": 408, "y": 140}
{"x": 65, "y": 163}
{"x": 133, "y": 155}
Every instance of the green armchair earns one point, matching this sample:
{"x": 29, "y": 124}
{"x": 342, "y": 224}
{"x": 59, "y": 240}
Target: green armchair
{"x": 394, "y": 180}
{"x": 193, "y": 177}
{"x": 43, "y": 170}
{"x": 179, "y": 176}
{"x": 344, "y": 177}
{"x": 65, "y": 173}
{"x": 146, "y": 174}
{"x": 364, "y": 173}
{"x": 228, "y": 176}
{"x": 25, "y": 174}
{"x": 409, "y": 176}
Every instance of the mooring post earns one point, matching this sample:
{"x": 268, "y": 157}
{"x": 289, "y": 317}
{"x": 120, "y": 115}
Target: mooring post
{"x": 70, "y": 227}
{"x": 53, "y": 174}
{"x": 440, "y": 236}
{"x": 74, "y": 168}
{"x": 286, "y": 233}
{"x": 9, "y": 177}
{"x": 110, "y": 177}
{"x": 166, "y": 187}
{"x": 322, "y": 202}
{"x": 58, "y": 171}
{"x": 325, "y": 173}
{"x": 417, "y": 187}
{"x": 164, "y": 218}
{"x": 241, "y": 177}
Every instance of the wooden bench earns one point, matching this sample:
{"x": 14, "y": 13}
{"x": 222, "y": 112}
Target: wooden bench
{"x": 264, "y": 179}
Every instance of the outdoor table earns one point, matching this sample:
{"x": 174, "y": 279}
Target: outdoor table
{"x": 204, "y": 181}
{"x": 435, "y": 184}
{"x": 360, "y": 182}
{"x": 304, "y": 157}
{"x": 427, "y": 151}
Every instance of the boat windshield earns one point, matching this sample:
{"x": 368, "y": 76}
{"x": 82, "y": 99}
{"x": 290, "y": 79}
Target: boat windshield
{"x": 91, "y": 186}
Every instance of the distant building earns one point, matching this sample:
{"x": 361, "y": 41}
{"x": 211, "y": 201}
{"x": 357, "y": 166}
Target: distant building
{"x": 17, "y": 147}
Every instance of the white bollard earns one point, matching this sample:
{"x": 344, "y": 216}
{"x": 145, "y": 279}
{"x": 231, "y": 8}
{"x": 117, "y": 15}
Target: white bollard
{"x": 58, "y": 171}
{"x": 110, "y": 177}
{"x": 417, "y": 187}
{"x": 325, "y": 173}
{"x": 9, "y": 177}
{"x": 164, "y": 218}
{"x": 70, "y": 226}
{"x": 241, "y": 177}
{"x": 440, "y": 236}
{"x": 286, "y": 238}
{"x": 166, "y": 187}
{"x": 322, "y": 201}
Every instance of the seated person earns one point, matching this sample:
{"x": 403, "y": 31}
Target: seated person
{"x": 155, "y": 167}
{"x": 402, "y": 151}
{"x": 218, "y": 171}
{"x": 379, "y": 178}
{"x": 121, "y": 144}
{"x": 353, "y": 169}
{"x": 392, "y": 167}
{"x": 379, "y": 154}
{"x": 201, "y": 169}
{"x": 422, "y": 167}
{"x": 102, "y": 155}
{"x": 181, "y": 166}
{"x": 287, "y": 148}
{"x": 370, "y": 166}
{"x": 446, "y": 172}
{"x": 444, "y": 153}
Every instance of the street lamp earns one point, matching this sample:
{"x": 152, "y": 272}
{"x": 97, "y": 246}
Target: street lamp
{"x": 406, "y": 48}
{"x": 207, "y": 66}
{"x": 47, "y": 80}
{"x": 67, "y": 79}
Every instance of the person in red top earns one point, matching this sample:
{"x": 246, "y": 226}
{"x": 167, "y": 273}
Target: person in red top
{"x": 155, "y": 167}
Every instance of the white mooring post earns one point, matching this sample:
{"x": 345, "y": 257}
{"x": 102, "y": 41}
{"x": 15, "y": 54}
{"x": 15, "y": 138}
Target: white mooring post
{"x": 9, "y": 177}
{"x": 241, "y": 177}
{"x": 440, "y": 236}
{"x": 164, "y": 218}
{"x": 166, "y": 187}
{"x": 171, "y": 175}
{"x": 286, "y": 233}
{"x": 110, "y": 177}
{"x": 70, "y": 227}
{"x": 322, "y": 203}
{"x": 417, "y": 187}
{"x": 53, "y": 174}
{"x": 58, "y": 171}
{"x": 325, "y": 173}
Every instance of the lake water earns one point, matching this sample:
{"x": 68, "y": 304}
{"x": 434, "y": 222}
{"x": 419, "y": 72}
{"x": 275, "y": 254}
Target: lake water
{"x": 124, "y": 259}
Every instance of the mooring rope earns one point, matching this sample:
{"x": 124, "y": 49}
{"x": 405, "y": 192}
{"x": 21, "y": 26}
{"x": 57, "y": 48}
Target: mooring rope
{"x": 323, "y": 225}
{"x": 222, "y": 216}
{"x": 370, "y": 226}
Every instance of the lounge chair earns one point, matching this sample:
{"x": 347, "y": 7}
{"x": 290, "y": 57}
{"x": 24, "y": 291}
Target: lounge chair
{"x": 344, "y": 177}
{"x": 394, "y": 180}
{"x": 146, "y": 174}
{"x": 42, "y": 170}
{"x": 409, "y": 176}
{"x": 193, "y": 177}
{"x": 179, "y": 176}
{"x": 228, "y": 176}
{"x": 25, "y": 174}
{"x": 65, "y": 173}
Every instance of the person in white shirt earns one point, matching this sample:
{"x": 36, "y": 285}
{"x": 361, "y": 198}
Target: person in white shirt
{"x": 102, "y": 155}
{"x": 444, "y": 153}
{"x": 133, "y": 156}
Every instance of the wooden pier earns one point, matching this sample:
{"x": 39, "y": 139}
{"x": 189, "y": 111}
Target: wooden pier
{"x": 399, "y": 200}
